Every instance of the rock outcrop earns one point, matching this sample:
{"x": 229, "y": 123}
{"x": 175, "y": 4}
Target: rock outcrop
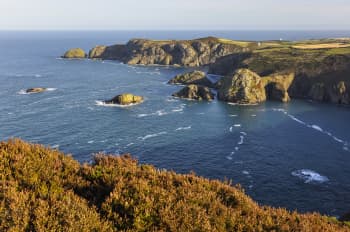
{"x": 125, "y": 99}
{"x": 195, "y": 92}
{"x": 244, "y": 87}
{"x": 197, "y": 52}
{"x": 195, "y": 77}
{"x": 36, "y": 90}
{"x": 277, "y": 86}
{"x": 75, "y": 53}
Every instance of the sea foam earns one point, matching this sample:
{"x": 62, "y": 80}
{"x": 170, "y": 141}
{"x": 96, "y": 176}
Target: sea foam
{"x": 310, "y": 176}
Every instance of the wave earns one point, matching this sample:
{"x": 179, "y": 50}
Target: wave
{"x": 241, "y": 140}
{"x": 245, "y": 173}
{"x": 313, "y": 126}
{"x": 237, "y": 125}
{"x": 309, "y": 176}
{"x": 55, "y": 146}
{"x": 183, "y": 128}
{"x": 157, "y": 113}
{"x": 233, "y": 115}
{"x": 242, "y": 104}
{"x": 91, "y": 142}
{"x": 153, "y": 135}
{"x": 102, "y": 103}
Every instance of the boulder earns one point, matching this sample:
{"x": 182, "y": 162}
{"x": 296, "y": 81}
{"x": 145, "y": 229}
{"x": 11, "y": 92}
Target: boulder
{"x": 195, "y": 92}
{"x": 125, "y": 99}
{"x": 277, "y": 86}
{"x": 75, "y": 53}
{"x": 244, "y": 87}
{"x": 36, "y": 90}
{"x": 195, "y": 77}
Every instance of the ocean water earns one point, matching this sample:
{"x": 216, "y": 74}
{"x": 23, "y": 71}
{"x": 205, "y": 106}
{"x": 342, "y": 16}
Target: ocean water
{"x": 294, "y": 155}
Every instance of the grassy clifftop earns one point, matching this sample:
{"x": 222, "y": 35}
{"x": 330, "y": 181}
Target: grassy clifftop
{"x": 45, "y": 190}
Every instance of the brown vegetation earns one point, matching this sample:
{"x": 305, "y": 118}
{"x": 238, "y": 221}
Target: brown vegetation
{"x": 45, "y": 190}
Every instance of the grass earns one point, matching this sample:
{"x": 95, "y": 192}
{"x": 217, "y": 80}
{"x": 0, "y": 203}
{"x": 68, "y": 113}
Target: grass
{"x": 45, "y": 190}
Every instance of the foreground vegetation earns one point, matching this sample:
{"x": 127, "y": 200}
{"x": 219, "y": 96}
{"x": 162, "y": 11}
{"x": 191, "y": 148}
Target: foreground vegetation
{"x": 45, "y": 190}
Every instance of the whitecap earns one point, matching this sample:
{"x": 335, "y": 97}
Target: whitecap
{"x": 130, "y": 144}
{"x": 245, "y": 172}
{"x": 51, "y": 89}
{"x": 243, "y": 133}
{"x": 337, "y": 139}
{"x": 242, "y": 104}
{"x": 102, "y": 103}
{"x": 231, "y": 129}
{"x": 236, "y": 148}
{"x": 317, "y": 128}
{"x": 253, "y": 115}
{"x": 153, "y": 135}
{"x": 229, "y": 157}
{"x": 241, "y": 141}
{"x": 55, "y": 146}
{"x": 183, "y": 128}
{"x": 180, "y": 109}
{"x": 237, "y": 125}
{"x": 233, "y": 115}
{"x": 172, "y": 100}
{"x": 309, "y": 176}
{"x": 91, "y": 141}
{"x": 157, "y": 113}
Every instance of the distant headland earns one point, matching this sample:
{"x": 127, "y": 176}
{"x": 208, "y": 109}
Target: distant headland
{"x": 253, "y": 71}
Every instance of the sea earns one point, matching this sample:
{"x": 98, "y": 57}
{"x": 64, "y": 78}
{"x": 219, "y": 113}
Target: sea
{"x": 293, "y": 155}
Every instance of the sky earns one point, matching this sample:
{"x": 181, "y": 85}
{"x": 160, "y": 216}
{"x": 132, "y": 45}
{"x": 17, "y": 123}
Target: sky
{"x": 174, "y": 15}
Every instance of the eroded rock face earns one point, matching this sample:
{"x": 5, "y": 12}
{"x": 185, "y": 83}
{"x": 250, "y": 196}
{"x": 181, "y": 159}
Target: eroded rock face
{"x": 191, "y": 53}
{"x": 195, "y": 92}
{"x": 75, "y": 53}
{"x": 337, "y": 93}
{"x": 244, "y": 87}
{"x": 125, "y": 99}
{"x": 277, "y": 86}
{"x": 36, "y": 90}
{"x": 195, "y": 77}
{"x": 97, "y": 52}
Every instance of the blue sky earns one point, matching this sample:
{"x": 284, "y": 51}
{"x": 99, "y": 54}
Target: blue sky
{"x": 174, "y": 14}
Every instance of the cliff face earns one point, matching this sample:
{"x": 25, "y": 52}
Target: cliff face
{"x": 321, "y": 75}
{"x": 192, "y": 53}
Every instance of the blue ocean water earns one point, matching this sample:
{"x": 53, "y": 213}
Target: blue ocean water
{"x": 292, "y": 155}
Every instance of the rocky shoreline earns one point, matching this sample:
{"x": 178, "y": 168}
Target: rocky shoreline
{"x": 314, "y": 69}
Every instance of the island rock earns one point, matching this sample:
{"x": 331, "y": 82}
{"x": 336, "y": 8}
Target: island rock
{"x": 195, "y": 92}
{"x": 36, "y": 90}
{"x": 125, "y": 99}
{"x": 75, "y": 53}
{"x": 244, "y": 87}
{"x": 195, "y": 77}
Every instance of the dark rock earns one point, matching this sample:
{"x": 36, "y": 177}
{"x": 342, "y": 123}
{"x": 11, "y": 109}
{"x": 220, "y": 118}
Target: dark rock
{"x": 36, "y": 90}
{"x": 195, "y": 77}
{"x": 195, "y": 92}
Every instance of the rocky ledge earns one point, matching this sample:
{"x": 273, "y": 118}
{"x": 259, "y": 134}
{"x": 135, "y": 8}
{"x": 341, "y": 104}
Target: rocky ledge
{"x": 195, "y": 92}
{"x": 36, "y": 90}
{"x": 125, "y": 99}
{"x": 195, "y": 77}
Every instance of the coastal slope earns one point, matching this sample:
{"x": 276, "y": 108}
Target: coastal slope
{"x": 45, "y": 190}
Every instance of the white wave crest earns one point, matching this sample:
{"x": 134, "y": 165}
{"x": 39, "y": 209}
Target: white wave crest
{"x": 310, "y": 176}
{"x": 153, "y": 135}
{"x": 183, "y": 128}
{"x": 102, "y": 103}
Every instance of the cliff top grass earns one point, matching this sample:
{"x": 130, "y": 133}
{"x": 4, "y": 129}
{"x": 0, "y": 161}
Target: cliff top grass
{"x": 45, "y": 190}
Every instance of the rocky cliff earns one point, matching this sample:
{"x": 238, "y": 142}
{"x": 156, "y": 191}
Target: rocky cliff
{"x": 322, "y": 74}
{"x": 192, "y": 53}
